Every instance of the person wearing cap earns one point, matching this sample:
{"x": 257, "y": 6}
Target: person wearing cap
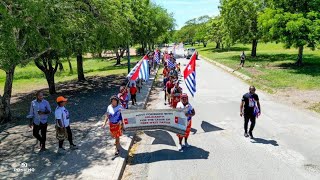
{"x": 38, "y": 115}
{"x": 250, "y": 109}
{"x": 114, "y": 118}
{"x": 175, "y": 94}
{"x": 189, "y": 112}
{"x": 62, "y": 116}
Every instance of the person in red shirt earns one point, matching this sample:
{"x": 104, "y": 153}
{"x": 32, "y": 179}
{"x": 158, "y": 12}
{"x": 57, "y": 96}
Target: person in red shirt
{"x": 133, "y": 93}
{"x": 169, "y": 86}
{"x": 175, "y": 94}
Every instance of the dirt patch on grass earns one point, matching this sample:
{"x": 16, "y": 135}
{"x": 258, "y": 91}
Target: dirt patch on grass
{"x": 307, "y": 99}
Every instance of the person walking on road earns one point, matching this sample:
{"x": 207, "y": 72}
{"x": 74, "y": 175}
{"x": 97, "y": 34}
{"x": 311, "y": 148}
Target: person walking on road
{"x": 38, "y": 115}
{"x": 250, "y": 109}
{"x": 169, "y": 86}
{"x": 189, "y": 112}
{"x": 62, "y": 116}
{"x": 175, "y": 94}
{"x": 133, "y": 93}
{"x": 114, "y": 118}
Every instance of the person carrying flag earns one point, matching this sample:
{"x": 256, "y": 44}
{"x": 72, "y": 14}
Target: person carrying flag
{"x": 250, "y": 109}
{"x": 175, "y": 94}
{"x": 165, "y": 74}
{"x": 114, "y": 118}
{"x": 189, "y": 112}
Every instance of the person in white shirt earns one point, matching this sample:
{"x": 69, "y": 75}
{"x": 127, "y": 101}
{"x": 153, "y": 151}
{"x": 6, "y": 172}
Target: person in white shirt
{"x": 189, "y": 112}
{"x": 114, "y": 118}
{"x": 63, "y": 121}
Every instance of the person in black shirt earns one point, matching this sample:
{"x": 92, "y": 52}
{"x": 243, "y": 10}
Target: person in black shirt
{"x": 250, "y": 109}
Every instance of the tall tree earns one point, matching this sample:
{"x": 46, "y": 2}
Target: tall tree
{"x": 240, "y": 18}
{"x": 295, "y": 23}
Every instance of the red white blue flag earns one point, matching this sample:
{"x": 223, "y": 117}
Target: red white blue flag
{"x": 189, "y": 74}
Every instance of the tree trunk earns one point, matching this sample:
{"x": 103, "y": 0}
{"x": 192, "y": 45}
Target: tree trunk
{"x": 51, "y": 83}
{"x": 143, "y": 48}
{"x": 5, "y": 112}
{"x": 117, "y": 56}
{"x": 218, "y": 45}
{"x": 70, "y": 65}
{"x": 122, "y": 51}
{"x": 204, "y": 44}
{"x": 299, "y": 60}
{"x": 254, "y": 48}
{"x": 61, "y": 67}
{"x": 80, "y": 67}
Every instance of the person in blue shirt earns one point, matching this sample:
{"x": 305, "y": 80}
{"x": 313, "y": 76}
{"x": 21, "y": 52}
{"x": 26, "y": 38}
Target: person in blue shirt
{"x": 114, "y": 118}
{"x": 38, "y": 115}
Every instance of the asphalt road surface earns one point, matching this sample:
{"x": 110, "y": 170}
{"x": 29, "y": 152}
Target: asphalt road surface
{"x": 286, "y": 144}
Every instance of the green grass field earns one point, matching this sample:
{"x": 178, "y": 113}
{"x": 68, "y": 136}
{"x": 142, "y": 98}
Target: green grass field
{"x": 30, "y": 77}
{"x": 273, "y": 68}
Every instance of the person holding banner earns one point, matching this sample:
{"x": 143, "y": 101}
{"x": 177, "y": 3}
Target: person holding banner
{"x": 114, "y": 118}
{"x": 175, "y": 94}
{"x": 189, "y": 112}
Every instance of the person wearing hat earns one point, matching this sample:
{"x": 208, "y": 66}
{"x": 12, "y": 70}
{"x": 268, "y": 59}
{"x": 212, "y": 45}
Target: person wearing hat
{"x": 114, "y": 118}
{"x": 63, "y": 122}
{"x": 38, "y": 115}
{"x": 189, "y": 112}
{"x": 176, "y": 94}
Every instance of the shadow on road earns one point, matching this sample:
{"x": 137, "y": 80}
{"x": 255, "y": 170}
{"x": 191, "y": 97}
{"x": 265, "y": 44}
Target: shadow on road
{"x": 169, "y": 155}
{"x": 161, "y": 137}
{"x": 207, "y": 127}
{"x": 264, "y": 141}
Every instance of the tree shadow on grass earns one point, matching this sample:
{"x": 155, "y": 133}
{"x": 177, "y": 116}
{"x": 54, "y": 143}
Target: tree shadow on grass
{"x": 311, "y": 63}
{"x": 226, "y": 49}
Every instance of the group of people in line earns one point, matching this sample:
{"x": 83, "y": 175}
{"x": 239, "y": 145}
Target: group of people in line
{"x": 174, "y": 96}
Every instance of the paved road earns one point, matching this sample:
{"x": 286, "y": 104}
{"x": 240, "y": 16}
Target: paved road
{"x": 287, "y": 143}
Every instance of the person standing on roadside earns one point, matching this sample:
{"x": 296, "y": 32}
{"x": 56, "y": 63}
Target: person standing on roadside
{"x": 242, "y": 59}
{"x": 63, "y": 122}
{"x": 250, "y": 109}
{"x": 38, "y": 115}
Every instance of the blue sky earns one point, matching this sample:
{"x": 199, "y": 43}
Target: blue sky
{"x": 185, "y": 10}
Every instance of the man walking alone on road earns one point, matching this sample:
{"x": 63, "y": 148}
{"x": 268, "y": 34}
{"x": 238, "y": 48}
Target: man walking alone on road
{"x": 38, "y": 114}
{"x": 250, "y": 109}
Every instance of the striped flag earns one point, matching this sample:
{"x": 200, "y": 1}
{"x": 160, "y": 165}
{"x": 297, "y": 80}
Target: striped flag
{"x": 133, "y": 70}
{"x": 144, "y": 69}
{"x": 189, "y": 74}
{"x": 157, "y": 57}
{"x": 141, "y": 70}
{"x": 170, "y": 64}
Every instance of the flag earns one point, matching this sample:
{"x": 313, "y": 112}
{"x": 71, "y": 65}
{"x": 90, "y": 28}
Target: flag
{"x": 157, "y": 57}
{"x": 189, "y": 74}
{"x": 170, "y": 64}
{"x": 135, "y": 75}
{"x": 144, "y": 69}
{"x": 134, "y": 70}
